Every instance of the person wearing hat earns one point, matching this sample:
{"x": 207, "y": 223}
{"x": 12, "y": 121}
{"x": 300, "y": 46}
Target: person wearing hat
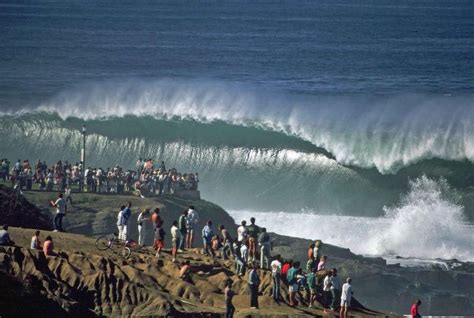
{"x": 142, "y": 225}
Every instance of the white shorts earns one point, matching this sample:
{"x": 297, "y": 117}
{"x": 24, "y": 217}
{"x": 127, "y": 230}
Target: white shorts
{"x": 345, "y": 303}
{"x": 293, "y": 288}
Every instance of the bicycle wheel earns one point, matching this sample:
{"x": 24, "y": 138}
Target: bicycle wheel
{"x": 125, "y": 252}
{"x": 102, "y": 243}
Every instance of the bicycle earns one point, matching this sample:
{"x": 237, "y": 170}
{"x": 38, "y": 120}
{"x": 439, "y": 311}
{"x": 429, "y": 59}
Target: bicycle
{"x": 117, "y": 245}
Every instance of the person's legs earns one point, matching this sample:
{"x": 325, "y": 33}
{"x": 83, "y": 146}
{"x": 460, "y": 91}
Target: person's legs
{"x": 276, "y": 286}
{"x": 141, "y": 233}
{"x": 292, "y": 296}
{"x": 174, "y": 248}
{"x": 125, "y": 232}
{"x": 182, "y": 238}
{"x": 252, "y": 248}
{"x": 60, "y": 222}
{"x": 120, "y": 232}
{"x": 55, "y": 222}
{"x": 333, "y": 300}
{"x": 341, "y": 313}
{"x": 254, "y": 296}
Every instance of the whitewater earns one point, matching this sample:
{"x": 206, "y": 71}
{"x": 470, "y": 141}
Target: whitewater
{"x": 427, "y": 224}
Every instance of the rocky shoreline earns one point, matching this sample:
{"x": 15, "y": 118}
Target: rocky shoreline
{"x": 386, "y": 288}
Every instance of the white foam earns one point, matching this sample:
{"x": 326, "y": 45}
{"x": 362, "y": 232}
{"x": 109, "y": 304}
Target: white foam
{"x": 386, "y": 133}
{"x": 426, "y": 225}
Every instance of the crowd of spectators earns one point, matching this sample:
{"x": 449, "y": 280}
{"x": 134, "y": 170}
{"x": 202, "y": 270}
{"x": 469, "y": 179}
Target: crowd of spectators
{"x": 147, "y": 179}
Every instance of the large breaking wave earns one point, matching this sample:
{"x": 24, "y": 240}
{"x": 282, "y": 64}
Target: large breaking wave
{"x": 257, "y": 148}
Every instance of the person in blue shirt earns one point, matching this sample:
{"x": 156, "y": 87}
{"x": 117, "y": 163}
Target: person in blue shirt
{"x": 5, "y": 237}
{"x": 207, "y": 234}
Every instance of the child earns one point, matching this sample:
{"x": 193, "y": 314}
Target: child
{"x": 35, "y": 241}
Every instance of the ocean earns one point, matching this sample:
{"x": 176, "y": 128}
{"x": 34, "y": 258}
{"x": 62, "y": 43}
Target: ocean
{"x": 347, "y": 121}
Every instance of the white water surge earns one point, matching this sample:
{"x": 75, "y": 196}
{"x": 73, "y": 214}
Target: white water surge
{"x": 427, "y": 224}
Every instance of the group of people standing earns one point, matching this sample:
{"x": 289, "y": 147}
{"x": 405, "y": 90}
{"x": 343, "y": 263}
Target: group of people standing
{"x": 147, "y": 180}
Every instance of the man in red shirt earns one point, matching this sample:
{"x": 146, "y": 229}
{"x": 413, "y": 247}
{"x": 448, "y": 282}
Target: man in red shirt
{"x": 414, "y": 309}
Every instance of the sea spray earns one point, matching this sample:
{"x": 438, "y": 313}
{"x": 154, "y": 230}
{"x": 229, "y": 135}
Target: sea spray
{"x": 428, "y": 223}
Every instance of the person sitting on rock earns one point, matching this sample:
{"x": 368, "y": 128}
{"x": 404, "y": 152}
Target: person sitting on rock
{"x": 5, "y": 237}
{"x": 35, "y": 241}
{"x": 48, "y": 246}
{"x": 185, "y": 271}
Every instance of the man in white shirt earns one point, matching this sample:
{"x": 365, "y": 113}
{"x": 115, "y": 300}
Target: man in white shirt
{"x": 192, "y": 220}
{"x": 327, "y": 290}
{"x": 120, "y": 223}
{"x": 346, "y": 297}
{"x": 142, "y": 221}
{"x": 60, "y": 205}
{"x": 242, "y": 232}
{"x": 275, "y": 265}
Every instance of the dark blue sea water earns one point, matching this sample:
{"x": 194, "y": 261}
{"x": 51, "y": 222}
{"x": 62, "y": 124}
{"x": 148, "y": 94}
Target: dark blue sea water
{"x": 310, "y": 47}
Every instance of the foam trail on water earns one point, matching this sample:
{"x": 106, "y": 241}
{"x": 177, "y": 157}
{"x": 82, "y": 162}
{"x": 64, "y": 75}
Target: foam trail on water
{"x": 427, "y": 224}
{"x": 385, "y": 132}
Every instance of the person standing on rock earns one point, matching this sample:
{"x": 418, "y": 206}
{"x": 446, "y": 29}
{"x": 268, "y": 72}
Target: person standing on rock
{"x": 265, "y": 247}
{"x": 174, "y": 240}
{"x": 276, "y": 273}
{"x": 159, "y": 243}
{"x": 120, "y": 222}
{"x": 60, "y": 205}
{"x": 327, "y": 290}
{"x": 414, "y": 309}
{"x": 253, "y": 231}
{"x": 192, "y": 220}
{"x": 346, "y": 297}
{"x": 254, "y": 282}
{"x": 228, "y": 295}
{"x": 142, "y": 226}
{"x": 207, "y": 234}
{"x": 182, "y": 221}
{"x": 156, "y": 220}
{"x": 242, "y": 232}
{"x": 312, "y": 280}
{"x": 335, "y": 289}
{"x": 291, "y": 278}
{"x": 127, "y": 213}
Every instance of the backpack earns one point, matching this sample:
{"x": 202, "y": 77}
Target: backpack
{"x": 182, "y": 223}
{"x": 291, "y": 277}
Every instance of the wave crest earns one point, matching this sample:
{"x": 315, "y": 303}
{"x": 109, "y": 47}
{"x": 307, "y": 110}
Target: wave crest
{"x": 388, "y": 133}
